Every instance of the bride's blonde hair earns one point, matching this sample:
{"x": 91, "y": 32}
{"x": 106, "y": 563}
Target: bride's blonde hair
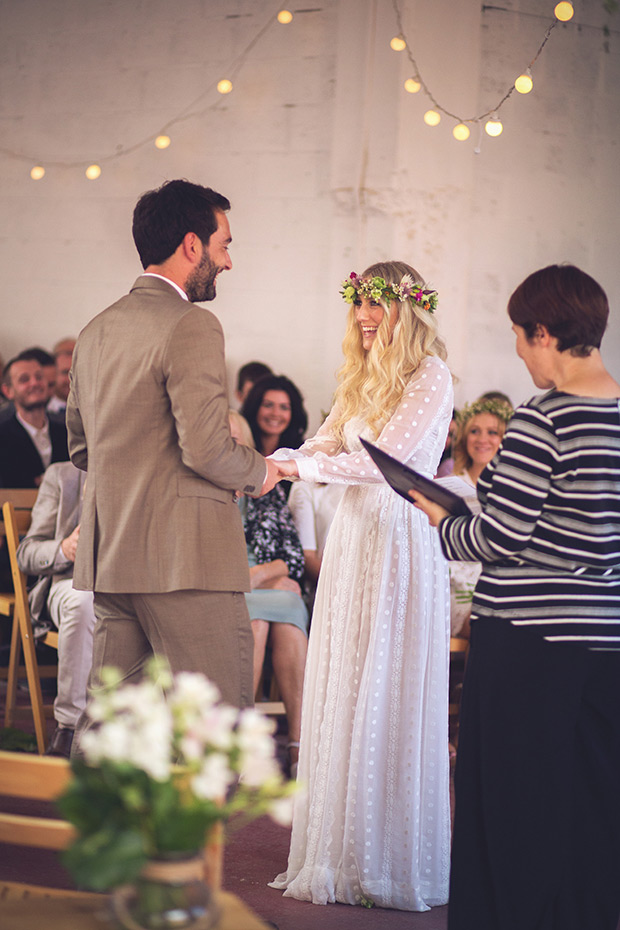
{"x": 372, "y": 382}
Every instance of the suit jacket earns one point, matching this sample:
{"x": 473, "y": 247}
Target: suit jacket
{"x": 148, "y": 417}
{"x": 20, "y": 463}
{"x": 55, "y": 515}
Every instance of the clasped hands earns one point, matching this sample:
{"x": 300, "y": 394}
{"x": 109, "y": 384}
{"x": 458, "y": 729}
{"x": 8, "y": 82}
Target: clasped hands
{"x": 277, "y": 470}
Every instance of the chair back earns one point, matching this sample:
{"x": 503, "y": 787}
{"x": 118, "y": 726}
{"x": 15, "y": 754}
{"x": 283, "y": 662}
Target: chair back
{"x": 40, "y": 778}
{"x": 23, "y": 500}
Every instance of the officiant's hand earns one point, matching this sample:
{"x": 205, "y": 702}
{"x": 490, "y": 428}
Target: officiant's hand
{"x": 434, "y": 512}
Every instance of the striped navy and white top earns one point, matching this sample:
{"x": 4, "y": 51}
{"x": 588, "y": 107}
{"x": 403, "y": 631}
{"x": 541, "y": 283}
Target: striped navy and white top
{"x": 549, "y": 532}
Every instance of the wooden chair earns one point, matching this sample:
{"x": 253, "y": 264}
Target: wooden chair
{"x": 44, "y": 778}
{"x": 273, "y": 705}
{"x": 23, "y": 500}
{"x": 22, "y": 637}
{"x": 458, "y": 646}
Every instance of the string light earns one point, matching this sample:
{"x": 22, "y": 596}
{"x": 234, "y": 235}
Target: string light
{"x": 493, "y": 127}
{"x": 432, "y": 118}
{"x": 564, "y": 11}
{"x": 412, "y": 86}
{"x": 524, "y": 82}
{"x": 461, "y": 132}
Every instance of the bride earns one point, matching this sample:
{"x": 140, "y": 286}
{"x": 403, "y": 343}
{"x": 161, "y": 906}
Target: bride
{"x": 373, "y": 824}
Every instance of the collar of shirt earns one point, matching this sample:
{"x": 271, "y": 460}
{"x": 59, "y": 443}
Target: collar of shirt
{"x": 151, "y": 274}
{"x": 41, "y": 439}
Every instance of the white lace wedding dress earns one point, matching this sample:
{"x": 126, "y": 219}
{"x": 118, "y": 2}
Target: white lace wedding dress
{"x": 374, "y": 821}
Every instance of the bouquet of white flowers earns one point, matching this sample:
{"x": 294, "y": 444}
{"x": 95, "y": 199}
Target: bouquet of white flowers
{"x": 164, "y": 762}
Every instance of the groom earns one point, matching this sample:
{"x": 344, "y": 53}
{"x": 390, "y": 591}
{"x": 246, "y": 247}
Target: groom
{"x": 161, "y": 540}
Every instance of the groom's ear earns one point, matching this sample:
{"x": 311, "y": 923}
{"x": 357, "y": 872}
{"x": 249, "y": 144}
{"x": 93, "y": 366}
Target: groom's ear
{"x": 192, "y": 247}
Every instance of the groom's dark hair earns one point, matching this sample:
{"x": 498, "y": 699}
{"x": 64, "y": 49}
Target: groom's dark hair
{"x": 162, "y": 218}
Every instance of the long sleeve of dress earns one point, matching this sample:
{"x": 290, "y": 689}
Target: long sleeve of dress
{"x": 324, "y": 458}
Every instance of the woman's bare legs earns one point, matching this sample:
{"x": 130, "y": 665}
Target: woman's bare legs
{"x": 260, "y": 629}
{"x": 289, "y": 646}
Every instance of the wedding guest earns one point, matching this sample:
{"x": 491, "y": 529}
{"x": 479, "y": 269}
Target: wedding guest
{"x": 247, "y": 376}
{"x": 48, "y": 551}
{"x": 274, "y": 408}
{"x": 481, "y": 427}
{"x": 29, "y": 440}
{"x": 277, "y": 611}
{"x": 537, "y": 822}
{"x": 63, "y": 355}
{"x": 374, "y": 823}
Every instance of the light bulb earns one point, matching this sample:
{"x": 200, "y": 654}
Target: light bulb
{"x": 412, "y": 86}
{"x": 284, "y": 17}
{"x": 524, "y": 83}
{"x": 432, "y": 118}
{"x": 224, "y": 86}
{"x": 162, "y": 142}
{"x": 37, "y": 172}
{"x": 398, "y": 44}
{"x": 93, "y": 172}
{"x": 564, "y": 11}
{"x": 493, "y": 127}
{"x": 461, "y": 132}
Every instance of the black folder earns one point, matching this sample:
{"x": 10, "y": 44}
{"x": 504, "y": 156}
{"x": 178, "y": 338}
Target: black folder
{"x": 404, "y": 479}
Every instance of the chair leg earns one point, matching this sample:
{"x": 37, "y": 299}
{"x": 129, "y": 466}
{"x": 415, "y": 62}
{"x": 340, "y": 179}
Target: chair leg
{"x": 34, "y": 685}
{"x": 13, "y": 669}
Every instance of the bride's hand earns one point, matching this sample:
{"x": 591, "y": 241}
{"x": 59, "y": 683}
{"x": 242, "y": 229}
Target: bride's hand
{"x": 287, "y": 469}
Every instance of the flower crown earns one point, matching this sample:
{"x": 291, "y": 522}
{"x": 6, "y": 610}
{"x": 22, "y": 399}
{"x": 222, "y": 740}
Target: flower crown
{"x": 377, "y": 288}
{"x": 497, "y": 408}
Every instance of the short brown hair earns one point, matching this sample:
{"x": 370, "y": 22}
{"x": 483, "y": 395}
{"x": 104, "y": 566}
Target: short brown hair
{"x": 571, "y": 304}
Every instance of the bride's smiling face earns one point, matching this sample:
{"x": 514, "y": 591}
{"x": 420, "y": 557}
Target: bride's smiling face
{"x": 369, "y": 314}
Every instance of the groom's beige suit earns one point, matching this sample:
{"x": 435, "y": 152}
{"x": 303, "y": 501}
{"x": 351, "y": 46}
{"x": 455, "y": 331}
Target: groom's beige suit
{"x": 161, "y": 539}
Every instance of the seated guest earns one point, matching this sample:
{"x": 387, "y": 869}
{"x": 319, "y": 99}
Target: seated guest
{"x": 63, "y": 355}
{"x": 48, "y": 363}
{"x": 48, "y": 551}
{"x": 277, "y": 611}
{"x": 275, "y": 411}
{"x": 29, "y": 441}
{"x": 247, "y": 376}
{"x": 481, "y": 427}
{"x": 313, "y": 506}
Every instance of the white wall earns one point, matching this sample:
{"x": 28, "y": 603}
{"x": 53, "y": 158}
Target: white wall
{"x": 325, "y": 158}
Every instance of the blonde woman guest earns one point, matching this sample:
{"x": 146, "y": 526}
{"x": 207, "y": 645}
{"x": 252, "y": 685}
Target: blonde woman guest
{"x": 537, "y": 823}
{"x": 480, "y": 430}
{"x": 374, "y": 824}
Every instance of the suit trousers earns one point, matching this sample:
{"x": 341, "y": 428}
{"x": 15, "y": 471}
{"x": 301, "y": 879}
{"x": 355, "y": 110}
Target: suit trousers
{"x": 196, "y": 631}
{"x": 72, "y": 612}
{"x": 537, "y": 806}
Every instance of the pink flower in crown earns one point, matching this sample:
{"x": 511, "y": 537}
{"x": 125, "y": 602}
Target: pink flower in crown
{"x": 354, "y": 276}
{"x": 405, "y": 288}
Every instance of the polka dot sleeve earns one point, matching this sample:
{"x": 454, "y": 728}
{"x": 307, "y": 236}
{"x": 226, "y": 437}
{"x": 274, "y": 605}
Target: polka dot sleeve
{"x": 424, "y": 401}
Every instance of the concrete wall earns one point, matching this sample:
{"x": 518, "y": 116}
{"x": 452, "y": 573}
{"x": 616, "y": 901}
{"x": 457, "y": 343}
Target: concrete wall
{"x": 325, "y": 158}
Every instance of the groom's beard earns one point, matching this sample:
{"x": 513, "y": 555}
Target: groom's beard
{"x": 201, "y": 283}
